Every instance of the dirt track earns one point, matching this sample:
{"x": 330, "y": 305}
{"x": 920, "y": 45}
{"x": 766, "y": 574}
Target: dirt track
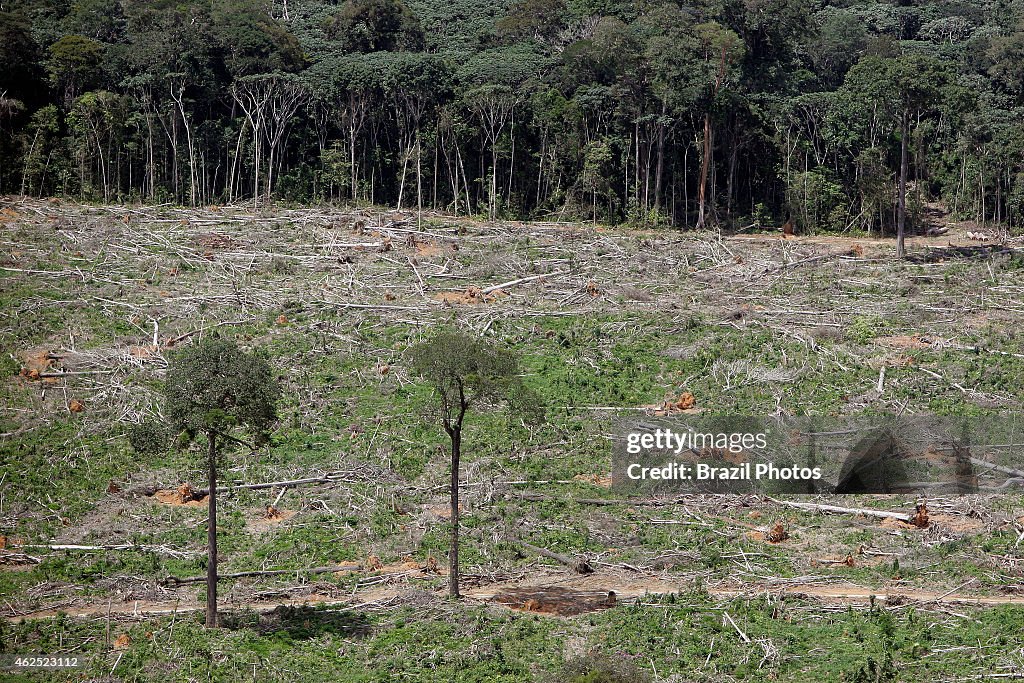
{"x": 563, "y": 587}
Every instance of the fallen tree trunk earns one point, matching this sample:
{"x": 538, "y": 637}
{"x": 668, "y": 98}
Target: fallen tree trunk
{"x": 520, "y": 281}
{"x": 649, "y": 502}
{"x": 653, "y": 502}
{"x": 578, "y": 565}
{"x": 329, "y": 477}
{"x": 884, "y": 514}
{"x": 17, "y": 558}
{"x": 198, "y": 494}
{"x": 998, "y": 468}
{"x": 177, "y": 581}
{"x": 159, "y": 549}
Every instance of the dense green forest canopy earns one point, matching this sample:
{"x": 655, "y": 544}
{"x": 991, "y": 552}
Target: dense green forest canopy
{"x": 726, "y": 112}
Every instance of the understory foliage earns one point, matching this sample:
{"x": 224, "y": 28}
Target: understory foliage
{"x": 727, "y": 112}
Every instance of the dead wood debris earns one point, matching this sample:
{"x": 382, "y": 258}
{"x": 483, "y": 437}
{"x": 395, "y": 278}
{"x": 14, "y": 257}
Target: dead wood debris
{"x": 777, "y": 534}
{"x": 884, "y": 514}
{"x": 580, "y": 565}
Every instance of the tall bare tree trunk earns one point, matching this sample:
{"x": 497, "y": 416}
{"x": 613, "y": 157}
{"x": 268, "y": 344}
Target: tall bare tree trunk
{"x": 419, "y": 180}
{"x": 660, "y": 166}
{"x": 901, "y": 220}
{"x": 353, "y": 178}
{"x": 211, "y": 537}
{"x": 494, "y": 179}
{"x": 453, "y": 553}
{"x": 179, "y": 99}
{"x": 704, "y": 163}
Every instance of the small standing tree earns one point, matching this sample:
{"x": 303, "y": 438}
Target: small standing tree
{"x": 467, "y": 371}
{"x": 214, "y": 389}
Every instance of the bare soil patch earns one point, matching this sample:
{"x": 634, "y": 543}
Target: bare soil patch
{"x": 184, "y": 495}
{"x": 602, "y": 480}
{"x": 428, "y": 249}
{"x": 470, "y": 296}
{"x": 957, "y": 523}
{"x": 562, "y": 602}
{"x": 37, "y": 363}
{"x": 269, "y": 519}
{"x": 893, "y": 523}
{"x": 905, "y": 342}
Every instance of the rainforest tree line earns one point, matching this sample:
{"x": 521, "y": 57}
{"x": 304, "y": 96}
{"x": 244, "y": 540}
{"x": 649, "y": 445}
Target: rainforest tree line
{"x": 725, "y": 112}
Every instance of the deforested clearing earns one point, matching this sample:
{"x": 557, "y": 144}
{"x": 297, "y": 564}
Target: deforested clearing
{"x": 334, "y": 536}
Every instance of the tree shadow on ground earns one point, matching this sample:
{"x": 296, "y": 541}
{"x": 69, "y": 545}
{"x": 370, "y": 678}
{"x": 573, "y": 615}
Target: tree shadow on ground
{"x": 300, "y": 621}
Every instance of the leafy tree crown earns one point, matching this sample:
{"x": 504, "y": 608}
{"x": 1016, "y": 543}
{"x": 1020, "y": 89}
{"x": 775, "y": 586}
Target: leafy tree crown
{"x": 466, "y": 370}
{"x": 215, "y": 386}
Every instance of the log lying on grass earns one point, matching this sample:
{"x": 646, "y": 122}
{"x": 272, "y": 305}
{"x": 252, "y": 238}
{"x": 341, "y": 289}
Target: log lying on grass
{"x": 580, "y": 565}
{"x": 884, "y": 514}
{"x": 198, "y": 494}
{"x": 648, "y": 502}
{"x": 177, "y": 581}
{"x": 520, "y": 281}
{"x": 997, "y": 468}
{"x": 158, "y": 549}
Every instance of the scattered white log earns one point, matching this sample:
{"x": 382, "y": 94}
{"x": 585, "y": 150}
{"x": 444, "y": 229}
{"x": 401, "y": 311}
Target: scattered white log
{"x": 175, "y": 580}
{"x": 998, "y": 468}
{"x": 884, "y": 514}
{"x": 323, "y": 479}
{"x": 520, "y": 281}
{"x": 743, "y": 636}
{"x": 158, "y": 549}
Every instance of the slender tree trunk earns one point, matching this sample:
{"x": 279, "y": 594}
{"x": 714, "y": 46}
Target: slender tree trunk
{"x": 733, "y": 158}
{"x": 352, "y": 162}
{"x": 686, "y": 183}
{"x": 453, "y": 554}
{"x": 512, "y": 160}
{"x": 453, "y": 176}
{"x": 174, "y": 156}
{"x": 211, "y": 537}
{"x": 178, "y": 97}
{"x": 636, "y": 162}
{"x": 494, "y": 178}
{"x": 660, "y": 167}
{"x": 28, "y": 157}
{"x": 901, "y": 219}
{"x": 419, "y": 179}
{"x": 406, "y": 153}
{"x": 704, "y": 163}
{"x": 999, "y": 200}
{"x": 151, "y": 160}
{"x": 436, "y": 175}
{"x": 647, "y": 175}
{"x": 540, "y": 166}
{"x": 234, "y": 174}
{"x": 465, "y": 181}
